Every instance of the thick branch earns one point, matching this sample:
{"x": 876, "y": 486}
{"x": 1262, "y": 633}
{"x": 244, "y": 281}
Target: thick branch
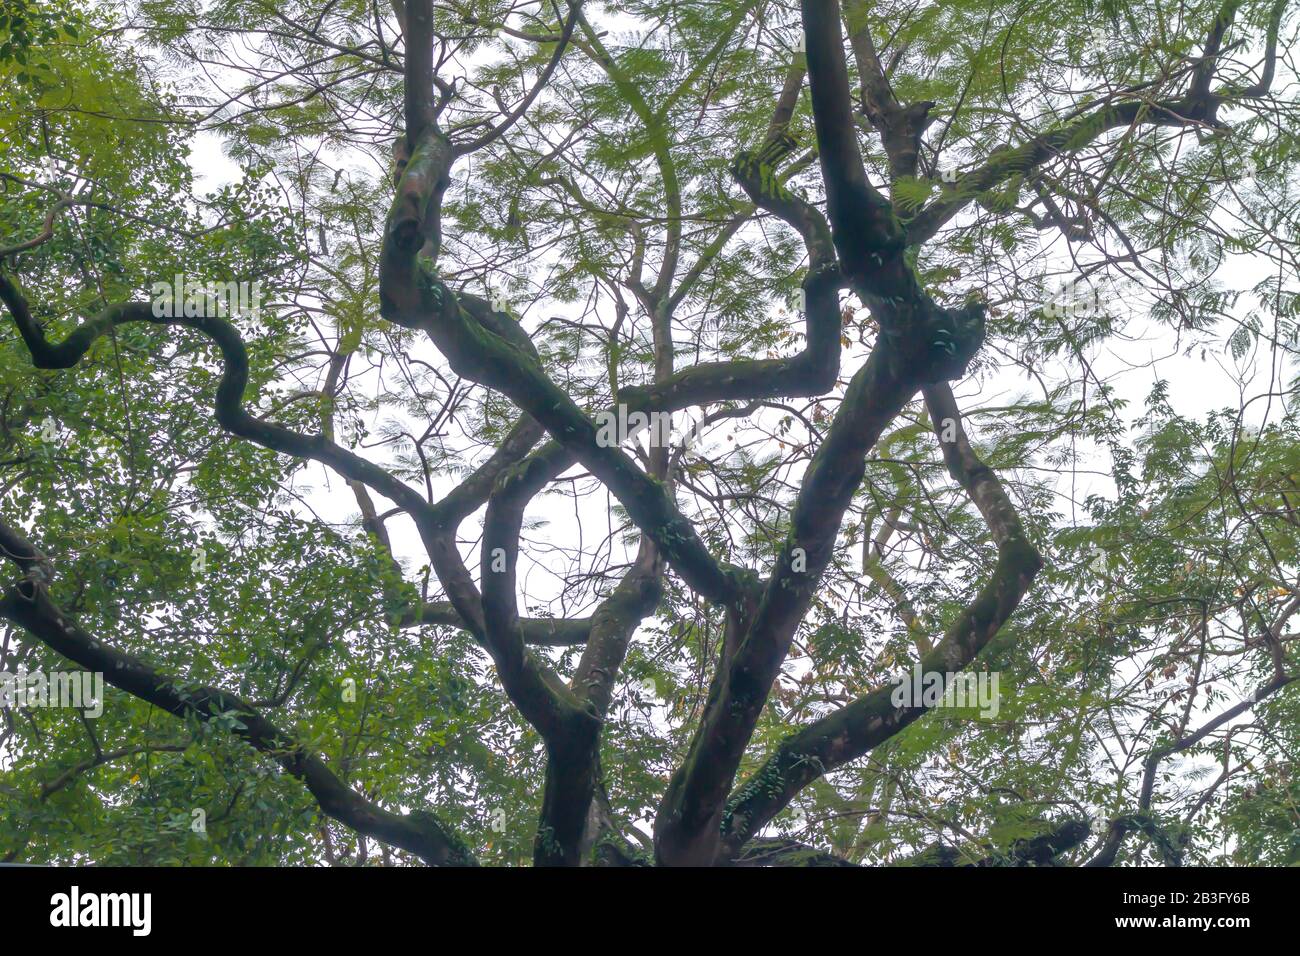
{"x": 900, "y": 127}
{"x": 919, "y": 344}
{"x": 28, "y": 604}
{"x": 854, "y": 730}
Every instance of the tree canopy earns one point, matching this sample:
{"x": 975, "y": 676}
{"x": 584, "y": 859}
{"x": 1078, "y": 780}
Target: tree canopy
{"x": 962, "y": 340}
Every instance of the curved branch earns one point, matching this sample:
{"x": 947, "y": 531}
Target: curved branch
{"x": 575, "y": 10}
{"x": 1198, "y": 106}
{"x": 27, "y": 603}
{"x": 1039, "y": 850}
{"x": 852, "y": 731}
{"x": 230, "y": 411}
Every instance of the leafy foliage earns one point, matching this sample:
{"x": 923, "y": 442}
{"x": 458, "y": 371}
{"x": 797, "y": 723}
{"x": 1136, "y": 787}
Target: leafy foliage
{"x": 252, "y": 141}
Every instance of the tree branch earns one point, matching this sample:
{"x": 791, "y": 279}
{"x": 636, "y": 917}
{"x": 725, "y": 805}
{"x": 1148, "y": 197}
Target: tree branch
{"x": 27, "y": 603}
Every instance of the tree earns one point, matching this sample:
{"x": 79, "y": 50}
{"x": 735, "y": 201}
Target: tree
{"x": 705, "y": 286}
